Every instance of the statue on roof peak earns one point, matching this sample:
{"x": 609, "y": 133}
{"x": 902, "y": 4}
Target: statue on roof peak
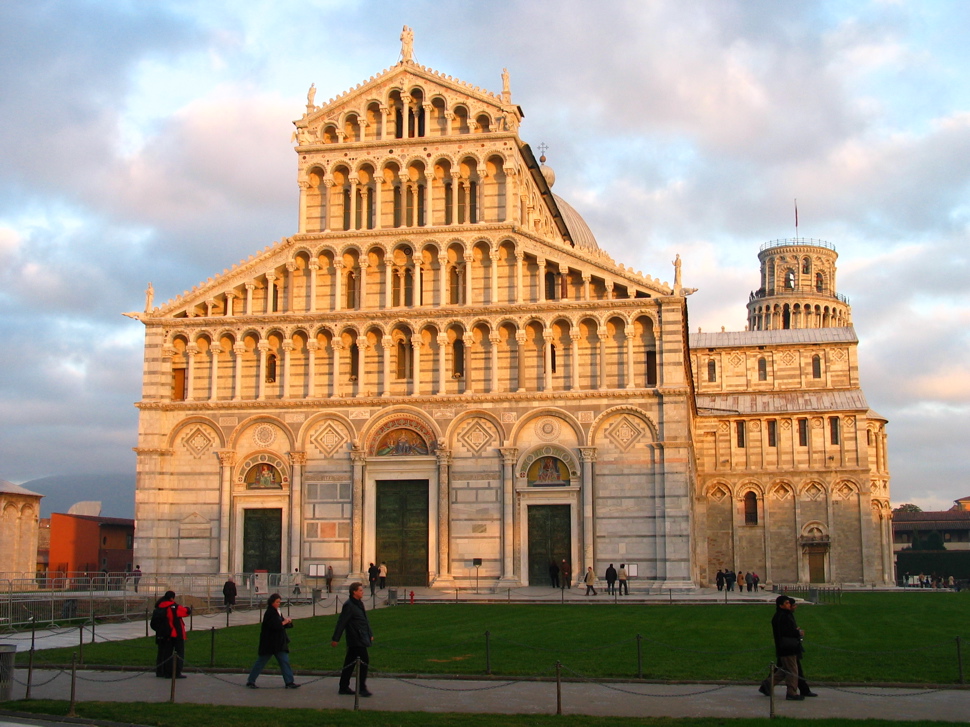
{"x": 407, "y": 45}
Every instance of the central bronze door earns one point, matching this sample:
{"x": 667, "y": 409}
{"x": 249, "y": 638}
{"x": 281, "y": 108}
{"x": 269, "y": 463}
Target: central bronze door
{"x": 549, "y": 541}
{"x": 262, "y": 540}
{"x": 402, "y": 531}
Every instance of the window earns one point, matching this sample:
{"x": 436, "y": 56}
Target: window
{"x": 819, "y": 283}
{"x": 711, "y": 371}
{"x": 651, "y": 368}
{"x": 816, "y": 366}
{"x": 404, "y": 359}
{"x": 354, "y": 362}
{"x": 750, "y": 509}
{"x": 762, "y": 369}
{"x": 458, "y": 359}
{"x": 869, "y": 437}
{"x": 803, "y": 432}
{"x": 553, "y": 356}
{"x": 739, "y": 432}
{"x": 834, "y": 430}
{"x": 772, "y": 433}
{"x": 351, "y": 290}
{"x": 790, "y": 280}
{"x": 806, "y": 266}
{"x": 271, "y": 368}
{"x": 178, "y": 384}
{"x": 551, "y": 286}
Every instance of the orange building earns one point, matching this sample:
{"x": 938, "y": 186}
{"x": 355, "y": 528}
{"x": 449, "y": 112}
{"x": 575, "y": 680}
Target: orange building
{"x": 84, "y": 543}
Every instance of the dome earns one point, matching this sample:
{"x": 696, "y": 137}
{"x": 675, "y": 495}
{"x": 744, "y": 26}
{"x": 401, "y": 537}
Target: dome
{"x": 578, "y": 229}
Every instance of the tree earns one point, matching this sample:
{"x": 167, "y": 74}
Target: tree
{"x": 908, "y": 507}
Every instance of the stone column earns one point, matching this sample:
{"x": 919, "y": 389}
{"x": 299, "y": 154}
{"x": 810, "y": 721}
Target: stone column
{"x": 287, "y": 352}
{"x": 297, "y": 464}
{"x": 387, "y": 343}
{"x": 541, "y": 282}
{"x": 469, "y": 259}
{"x": 494, "y": 339}
{"x": 270, "y": 277}
{"x": 416, "y": 298}
{"x": 494, "y": 258}
{"x": 338, "y": 285}
{"x": 442, "y": 364}
{"x": 427, "y": 198}
{"x": 416, "y": 367}
{"x": 519, "y": 261}
{"x": 227, "y": 458}
{"x": 509, "y": 196}
{"x": 379, "y": 202}
{"x": 361, "y": 372}
{"x": 230, "y": 295}
{"x": 444, "y": 517}
{"x": 354, "y": 188}
{"x": 311, "y": 368}
{"x": 388, "y": 282}
{"x": 547, "y": 360}
{"x": 442, "y": 280}
{"x": 290, "y": 285}
{"x": 455, "y": 183}
{"x": 238, "y": 350}
{"x": 304, "y": 186}
{"x": 589, "y": 457}
{"x": 250, "y": 287}
{"x": 328, "y": 195}
{"x": 209, "y": 305}
{"x": 509, "y": 457}
{"x": 263, "y": 349}
{"x": 335, "y": 387}
{"x": 214, "y": 378}
{"x": 190, "y": 352}
{"x": 407, "y": 117}
{"x": 574, "y": 337}
{"x": 314, "y": 267}
{"x": 520, "y": 359}
{"x": 601, "y": 354}
{"x": 630, "y": 377}
{"x": 586, "y": 288}
{"x": 357, "y": 515}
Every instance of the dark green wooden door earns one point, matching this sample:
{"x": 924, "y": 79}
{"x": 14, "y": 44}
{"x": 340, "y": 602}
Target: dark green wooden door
{"x": 262, "y": 540}
{"x": 402, "y": 531}
{"x": 549, "y": 540}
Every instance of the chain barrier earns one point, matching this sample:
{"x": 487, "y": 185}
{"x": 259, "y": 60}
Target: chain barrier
{"x": 41, "y": 684}
{"x": 561, "y": 649}
{"x": 611, "y": 687}
{"x": 883, "y": 651}
{"x": 432, "y": 687}
{"x": 882, "y": 696}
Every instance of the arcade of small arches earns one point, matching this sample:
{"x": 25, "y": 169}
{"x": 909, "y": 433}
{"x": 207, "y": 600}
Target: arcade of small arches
{"x": 416, "y": 357}
{"x": 409, "y": 275}
{"x": 774, "y": 316}
{"x": 406, "y": 114}
{"x": 375, "y": 195}
{"x": 751, "y": 495}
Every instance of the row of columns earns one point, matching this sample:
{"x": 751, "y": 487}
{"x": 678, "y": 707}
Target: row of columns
{"x": 410, "y": 109}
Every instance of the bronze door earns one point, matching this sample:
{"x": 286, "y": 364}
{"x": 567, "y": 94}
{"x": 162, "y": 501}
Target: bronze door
{"x": 262, "y": 540}
{"x": 549, "y": 541}
{"x": 402, "y": 531}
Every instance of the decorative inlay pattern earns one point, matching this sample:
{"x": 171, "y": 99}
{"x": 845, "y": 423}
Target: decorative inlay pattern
{"x": 781, "y": 492}
{"x": 509, "y": 417}
{"x": 197, "y": 441}
{"x": 328, "y": 438}
{"x": 476, "y": 436}
{"x": 736, "y": 360}
{"x": 624, "y": 432}
{"x": 813, "y": 492}
{"x": 548, "y": 429}
{"x": 264, "y": 435}
{"x": 788, "y": 358}
{"x": 719, "y": 494}
{"x": 586, "y": 416}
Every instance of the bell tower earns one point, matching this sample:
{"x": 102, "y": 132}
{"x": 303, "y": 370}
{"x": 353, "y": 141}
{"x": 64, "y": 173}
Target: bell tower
{"x": 797, "y": 287}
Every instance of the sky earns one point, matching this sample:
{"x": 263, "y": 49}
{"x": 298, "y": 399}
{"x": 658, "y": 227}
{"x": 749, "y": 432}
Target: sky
{"x": 151, "y": 141}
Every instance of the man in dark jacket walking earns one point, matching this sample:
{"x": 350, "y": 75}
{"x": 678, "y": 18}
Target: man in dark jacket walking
{"x": 788, "y": 645}
{"x": 353, "y": 621}
{"x": 611, "y": 579}
{"x": 273, "y": 641}
{"x": 229, "y": 594}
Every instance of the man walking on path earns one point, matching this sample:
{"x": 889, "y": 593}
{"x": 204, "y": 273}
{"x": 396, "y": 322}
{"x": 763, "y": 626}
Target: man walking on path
{"x": 590, "y": 580}
{"x": 353, "y": 621}
{"x": 788, "y": 645}
{"x": 611, "y": 580}
{"x": 803, "y": 688}
{"x": 554, "y": 573}
{"x": 382, "y": 575}
{"x": 229, "y": 593}
{"x": 564, "y": 575}
{"x": 621, "y": 576}
{"x": 372, "y": 578}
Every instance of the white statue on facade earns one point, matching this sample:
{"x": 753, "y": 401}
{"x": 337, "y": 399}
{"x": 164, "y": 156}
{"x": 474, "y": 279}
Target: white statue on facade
{"x": 149, "y": 297}
{"x": 506, "y": 86}
{"x": 677, "y": 283}
{"x": 407, "y": 45}
{"x": 310, "y": 95}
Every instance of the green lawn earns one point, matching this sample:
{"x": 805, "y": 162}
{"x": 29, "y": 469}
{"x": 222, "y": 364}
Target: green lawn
{"x": 870, "y": 637}
{"x": 202, "y": 715}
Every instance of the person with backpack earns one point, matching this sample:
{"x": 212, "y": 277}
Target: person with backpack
{"x": 169, "y": 636}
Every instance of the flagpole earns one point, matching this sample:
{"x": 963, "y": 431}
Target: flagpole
{"x": 796, "y": 220}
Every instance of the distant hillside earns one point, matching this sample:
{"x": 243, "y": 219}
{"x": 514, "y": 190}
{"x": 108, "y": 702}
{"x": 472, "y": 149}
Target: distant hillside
{"x": 115, "y": 491}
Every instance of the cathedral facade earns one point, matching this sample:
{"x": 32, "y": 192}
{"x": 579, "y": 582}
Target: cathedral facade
{"x": 443, "y": 371}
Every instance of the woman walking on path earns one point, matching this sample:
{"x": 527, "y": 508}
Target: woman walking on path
{"x": 590, "y": 580}
{"x": 273, "y": 642}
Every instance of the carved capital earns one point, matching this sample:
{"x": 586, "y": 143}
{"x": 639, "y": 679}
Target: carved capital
{"x": 297, "y": 458}
{"x": 509, "y": 454}
{"x": 227, "y": 457}
{"x": 588, "y": 454}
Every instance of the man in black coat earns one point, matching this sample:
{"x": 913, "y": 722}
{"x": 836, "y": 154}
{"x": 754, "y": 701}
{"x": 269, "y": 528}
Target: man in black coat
{"x": 611, "y": 580}
{"x": 353, "y": 621}
{"x": 788, "y": 645}
{"x": 273, "y": 642}
{"x": 229, "y": 594}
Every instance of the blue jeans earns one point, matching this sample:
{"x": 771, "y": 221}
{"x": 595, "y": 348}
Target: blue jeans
{"x": 282, "y": 658}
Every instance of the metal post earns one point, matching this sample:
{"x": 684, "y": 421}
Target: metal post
{"x": 287, "y": 607}
{"x": 80, "y": 633}
{"x": 228, "y": 611}
{"x": 336, "y": 604}
{"x": 488, "y": 653}
{"x": 191, "y": 619}
{"x": 771, "y": 690}
{"x": 959, "y": 660}
{"x": 92, "y": 628}
{"x": 212, "y": 647}
{"x": 509, "y": 595}
{"x": 456, "y": 594}
{"x": 175, "y": 661}
{"x": 558, "y": 687}
{"x": 146, "y": 622}
{"x": 71, "y": 711}
{"x": 30, "y": 671}
{"x": 357, "y": 684}
{"x": 639, "y": 658}
{"x": 314, "y": 603}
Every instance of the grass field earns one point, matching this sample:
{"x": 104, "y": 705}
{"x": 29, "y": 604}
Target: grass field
{"x": 199, "y": 715}
{"x": 870, "y": 637}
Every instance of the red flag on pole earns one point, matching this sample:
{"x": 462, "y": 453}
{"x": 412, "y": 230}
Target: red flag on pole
{"x": 796, "y": 218}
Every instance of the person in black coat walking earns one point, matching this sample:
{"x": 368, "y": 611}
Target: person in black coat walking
{"x": 611, "y": 580}
{"x": 273, "y": 642}
{"x": 229, "y": 594}
{"x": 788, "y": 646}
{"x": 353, "y": 621}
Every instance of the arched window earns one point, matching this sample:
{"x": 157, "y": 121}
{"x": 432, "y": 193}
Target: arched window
{"x": 351, "y": 289}
{"x": 806, "y": 266}
{"x": 750, "y": 508}
{"x": 816, "y": 366}
{"x": 456, "y": 285}
{"x": 762, "y": 369}
{"x": 354, "y": 362}
{"x": 405, "y": 359}
{"x": 271, "y": 368}
{"x": 711, "y": 371}
{"x": 819, "y": 283}
{"x": 458, "y": 359}
{"x": 651, "y": 368}
{"x": 834, "y": 430}
{"x": 551, "y": 286}
{"x": 739, "y": 430}
{"x": 790, "y": 280}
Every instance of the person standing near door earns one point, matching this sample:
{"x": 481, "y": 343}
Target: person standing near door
{"x": 372, "y": 575}
{"x": 621, "y": 577}
{"x": 382, "y": 575}
{"x": 353, "y": 622}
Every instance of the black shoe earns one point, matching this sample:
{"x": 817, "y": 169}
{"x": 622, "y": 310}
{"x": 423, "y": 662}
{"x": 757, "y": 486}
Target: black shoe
{"x": 794, "y": 697}
{"x": 764, "y": 690}
{"x": 346, "y": 691}
{"x": 366, "y": 693}
{"x": 181, "y": 676}
{"x": 251, "y": 685}
{"x": 292, "y": 685}
{"x": 809, "y": 694}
